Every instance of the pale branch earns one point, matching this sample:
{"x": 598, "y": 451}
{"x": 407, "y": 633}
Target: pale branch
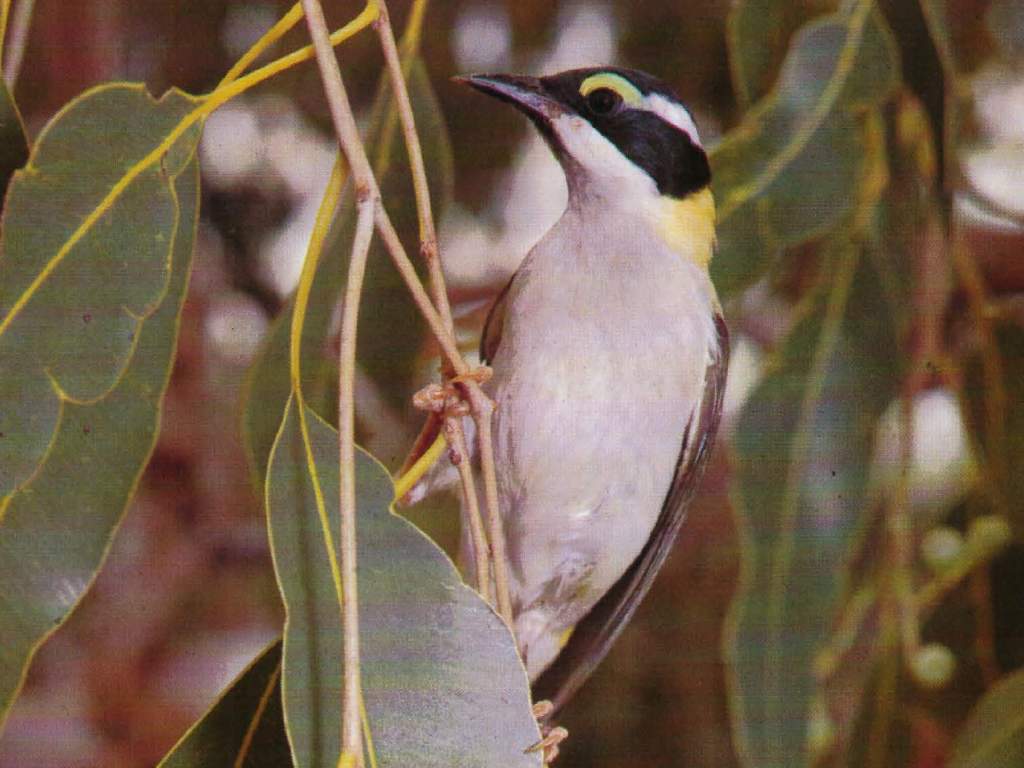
{"x": 428, "y": 232}
{"x": 445, "y": 338}
{"x": 352, "y": 694}
{"x": 456, "y": 437}
{"x": 368, "y": 201}
{"x": 481, "y": 405}
{"x": 21, "y": 21}
{"x": 483, "y": 411}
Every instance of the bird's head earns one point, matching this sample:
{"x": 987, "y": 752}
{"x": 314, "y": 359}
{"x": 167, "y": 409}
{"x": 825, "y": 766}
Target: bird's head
{"x": 623, "y": 136}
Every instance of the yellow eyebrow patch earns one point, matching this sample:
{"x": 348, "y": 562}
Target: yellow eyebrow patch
{"x": 629, "y": 92}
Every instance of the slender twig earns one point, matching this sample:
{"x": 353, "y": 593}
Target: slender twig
{"x": 21, "y": 20}
{"x": 445, "y": 338}
{"x": 368, "y": 201}
{"x": 483, "y": 411}
{"x": 481, "y": 405}
{"x": 428, "y": 233}
{"x": 352, "y": 727}
{"x": 481, "y": 560}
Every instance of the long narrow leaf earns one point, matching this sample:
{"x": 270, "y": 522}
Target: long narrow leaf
{"x": 244, "y": 728}
{"x": 442, "y": 682}
{"x": 55, "y": 531}
{"x": 790, "y": 170}
{"x": 86, "y": 258}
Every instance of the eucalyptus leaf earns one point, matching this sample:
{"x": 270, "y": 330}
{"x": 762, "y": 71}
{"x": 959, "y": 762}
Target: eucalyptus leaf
{"x": 803, "y": 451}
{"x": 442, "y": 682}
{"x": 758, "y": 35}
{"x": 244, "y": 728}
{"x": 85, "y": 259}
{"x": 790, "y": 170}
{"x": 13, "y": 142}
{"x": 56, "y": 529}
{"x": 993, "y": 736}
{"x": 391, "y": 330}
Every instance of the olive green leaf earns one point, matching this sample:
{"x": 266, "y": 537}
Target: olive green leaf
{"x": 244, "y": 728}
{"x": 993, "y": 736}
{"x": 789, "y": 171}
{"x": 758, "y": 33}
{"x": 86, "y": 258}
{"x": 55, "y": 530}
{"x": 391, "y": 331}
{"x": 803, "y": 451}
{"x": 442, "y": 682}
{"x": 13, "y": 142}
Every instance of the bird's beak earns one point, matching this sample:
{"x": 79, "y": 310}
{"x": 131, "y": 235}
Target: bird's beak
{"x": 526, "y": 94}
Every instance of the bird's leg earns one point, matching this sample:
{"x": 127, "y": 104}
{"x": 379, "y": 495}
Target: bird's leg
{"x": 552, "y": 735}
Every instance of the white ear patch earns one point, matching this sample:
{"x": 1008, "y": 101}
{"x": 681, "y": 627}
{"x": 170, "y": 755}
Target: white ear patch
{"x": 673, "y": 113}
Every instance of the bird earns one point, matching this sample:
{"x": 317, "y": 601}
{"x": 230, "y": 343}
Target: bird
{"x": 609, "y": 353}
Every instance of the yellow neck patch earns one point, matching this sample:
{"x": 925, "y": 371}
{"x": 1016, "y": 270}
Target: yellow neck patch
{"x": 626, "y": 90}
{"x": 688, "y": 225}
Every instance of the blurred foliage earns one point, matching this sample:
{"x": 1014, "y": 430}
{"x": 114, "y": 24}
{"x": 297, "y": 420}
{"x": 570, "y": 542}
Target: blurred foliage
{"x": 862, "y": 281}
{"x": 792, "y": 168}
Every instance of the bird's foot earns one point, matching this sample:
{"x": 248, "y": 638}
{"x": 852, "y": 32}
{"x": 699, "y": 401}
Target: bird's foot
{"x": 553, "y": 735}
{"x": 447, "y": 397}
{"x": 481, "y": 375}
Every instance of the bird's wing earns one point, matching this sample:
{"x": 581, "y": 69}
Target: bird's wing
{"x": 594, "y": 635}
{"x": 494, "y": 325}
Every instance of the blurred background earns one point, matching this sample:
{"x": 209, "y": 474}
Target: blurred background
{"x": 187, "y": 596}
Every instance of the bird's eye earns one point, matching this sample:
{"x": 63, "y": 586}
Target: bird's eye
{"x": 603, "y": 101}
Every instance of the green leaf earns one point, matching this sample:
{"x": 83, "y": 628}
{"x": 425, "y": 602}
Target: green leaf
{"x": 758, "y": 33}
{"x": 55, "y": 530}
{"x": 244, "y": 728}
{"x": 803, "y": 448}
{"x": 13, "y": 142}
{"x": 391, "y": 331}
{"x": 993, "y": 736}
{"x": 82, "y": 267}
{"x": 442, "y": 682}
{"x": 790, "y": 171}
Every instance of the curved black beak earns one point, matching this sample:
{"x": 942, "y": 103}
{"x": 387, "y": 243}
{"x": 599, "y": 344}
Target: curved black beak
{"x": 527, "y": 94}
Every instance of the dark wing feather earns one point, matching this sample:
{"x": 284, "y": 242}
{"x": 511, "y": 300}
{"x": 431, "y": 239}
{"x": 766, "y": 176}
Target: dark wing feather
{"x": 494, "y": 325}
{"x": 595, "y": 634}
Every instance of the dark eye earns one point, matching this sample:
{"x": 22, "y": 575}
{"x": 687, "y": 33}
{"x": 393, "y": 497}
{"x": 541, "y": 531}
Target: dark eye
{"x": 603, "y": 101}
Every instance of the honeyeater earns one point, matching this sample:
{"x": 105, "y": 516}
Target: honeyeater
{"x": 609, "y": 356}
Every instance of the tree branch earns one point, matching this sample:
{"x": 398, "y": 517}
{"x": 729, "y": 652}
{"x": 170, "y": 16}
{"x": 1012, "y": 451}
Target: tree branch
{"x": 481, "y": 405}
{"x": 481, "y": 552}
{"x": 21, "y": 21}
{"x": 368, "y": 201}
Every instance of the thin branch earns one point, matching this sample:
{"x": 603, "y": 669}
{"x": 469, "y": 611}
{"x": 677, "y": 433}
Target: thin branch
{"x": 21, "y": 21}
{"x": 445, "y": 338}
{"x": 428, "y": 233}
{"x": 483, "y": 411}
{"x": 481, "y": 552}
{"x": 368, "y": 198}
{"x": 351, "y": 725}
{"x": 482, "y": 406}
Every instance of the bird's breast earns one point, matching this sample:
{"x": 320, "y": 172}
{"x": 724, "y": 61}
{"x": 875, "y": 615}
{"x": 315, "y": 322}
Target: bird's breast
{"x": 597, "y": 375}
